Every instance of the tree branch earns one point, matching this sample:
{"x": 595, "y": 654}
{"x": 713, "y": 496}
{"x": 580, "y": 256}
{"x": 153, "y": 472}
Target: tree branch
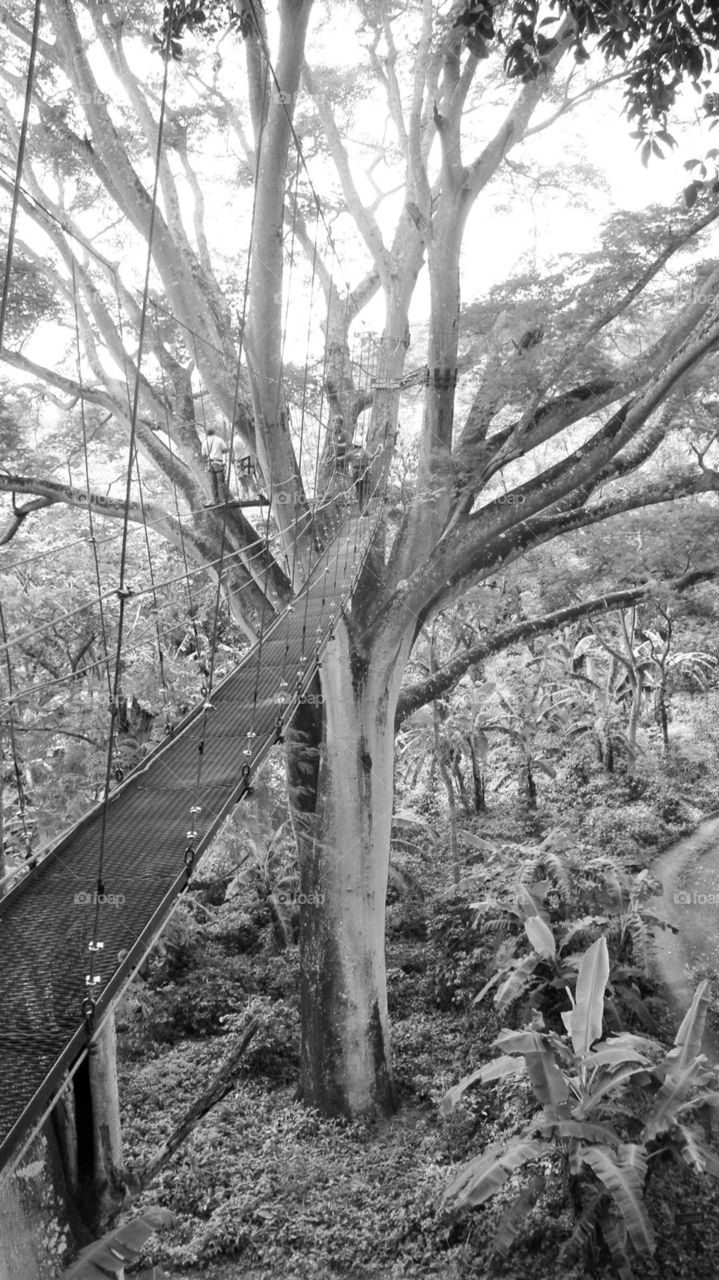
{"x": 366, "y": 223}
{"x": 51, "y": 492}
{"x": 19, "y": 514}
{"x": 417, "y": 695}
{"x": 220, "y": 1085}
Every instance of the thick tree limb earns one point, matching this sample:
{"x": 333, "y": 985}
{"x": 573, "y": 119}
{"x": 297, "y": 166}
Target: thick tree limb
{"x": 417, "y": 695}
{"x": 539, "y": 424}
{"x": 51, "y": 491}
{"x": 253, "y": 574}
{"x": 500, "y": 524}
{"x": 19, "y": 514}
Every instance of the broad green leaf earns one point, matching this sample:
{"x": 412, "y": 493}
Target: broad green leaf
{"x": 520, "y": 1041}
{"x": 633, "y": 1001}
{"x": 487, "y": 987}
{"x": 584, "y": 1022}
{"x": 543, "y": 766}
{"x": 541, "y": 937}
{"x": 608, "y": 1055}
{"x": 602, "y": 1083}
{"x": 550, "y": 1086}
{"x": 476, "y": 842}
{"x": 623, "y": 1173}
{"x": 404, "y": 820}
{"x": 494, "y": 1070}
{"x": 529, "y": 905}
{"x": 584, "y": 1228}
{"x": 611, "y": 1226}
{"x": 514, "y": 984}
{"x": 669, "y": 1100}
{"x": 569, "y": 931}
{"x": 584, "y": 1130}
{"x": 514, "y": 1216}
{"x": 481, "y": 1177}
{"x": 697, "y": 1154}
{"x": 688, "y": 1040}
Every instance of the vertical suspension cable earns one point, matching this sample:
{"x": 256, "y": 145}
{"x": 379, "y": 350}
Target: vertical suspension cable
{"x": 29, "y": 85}
{"x": 123, "y": 592}
{"x": 202, "y": 669}
{"x": 19, "y": 784}
{"x": 90, "y": 518}
{"x": 4, "y": 300}
{"x": 155, "y": 606}
{"x": 299, "y": 490}
{"x": 235, "y": 402}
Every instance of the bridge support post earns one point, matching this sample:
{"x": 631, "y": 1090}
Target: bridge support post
{"x": 108, "y": 1178}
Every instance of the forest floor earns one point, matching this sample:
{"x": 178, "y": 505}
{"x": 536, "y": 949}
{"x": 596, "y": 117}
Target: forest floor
{"x": 266, "y": 1188}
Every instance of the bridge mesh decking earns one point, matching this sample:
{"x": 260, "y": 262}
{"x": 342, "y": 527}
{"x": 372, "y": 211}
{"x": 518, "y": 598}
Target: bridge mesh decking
{"x": 47, "y": 921}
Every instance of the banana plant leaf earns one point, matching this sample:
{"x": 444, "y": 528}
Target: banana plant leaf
{"x": 481, "y": 1177}
{"x": 495, "y": 1070}
{"x": 622, "y": 1173}
{"x": 688, "y": 1040}
{"x": 584, "y": 1022}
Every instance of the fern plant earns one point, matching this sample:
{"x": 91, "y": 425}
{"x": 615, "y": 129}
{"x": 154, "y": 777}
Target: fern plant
{"x": 606, "y": 1110}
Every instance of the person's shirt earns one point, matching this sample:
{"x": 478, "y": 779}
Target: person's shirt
{"x": 358, "y": 459}
{"x": 214, "y": 449}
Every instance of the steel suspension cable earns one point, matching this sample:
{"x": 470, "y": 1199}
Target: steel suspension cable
{"x": 203, "y": 670}
{"x": 19, "y": 783}
{"x": 190, "y": 852}
{"x": 4, "y": 300}
{"x": 29, "y": 86}
{"x": 90, "y": 520}
{"x": 297, "y": 489}
{"x": 136, "y": 592}
{"x": 123, "y": 592}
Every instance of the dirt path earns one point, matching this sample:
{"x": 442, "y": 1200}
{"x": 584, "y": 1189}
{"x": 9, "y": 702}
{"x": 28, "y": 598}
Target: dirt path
{"x": 689, "y": 874}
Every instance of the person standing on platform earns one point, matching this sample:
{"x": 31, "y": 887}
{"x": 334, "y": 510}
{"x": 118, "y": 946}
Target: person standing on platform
{"x": 359, "y": 469}
{"x": 214, "y": 449}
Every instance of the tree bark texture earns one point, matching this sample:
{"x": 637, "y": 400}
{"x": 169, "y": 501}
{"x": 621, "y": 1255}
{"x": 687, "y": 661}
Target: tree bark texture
{"x": 344, "y": 865}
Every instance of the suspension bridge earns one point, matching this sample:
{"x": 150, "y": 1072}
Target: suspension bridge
{"x": 81, "y": 921}
{"x": 77, "y": 926}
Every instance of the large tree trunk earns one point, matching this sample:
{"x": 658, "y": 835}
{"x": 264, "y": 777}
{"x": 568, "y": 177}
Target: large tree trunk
{"x": 344, "y": 835}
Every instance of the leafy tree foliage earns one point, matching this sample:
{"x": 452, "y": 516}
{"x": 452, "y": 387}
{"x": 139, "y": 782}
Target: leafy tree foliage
{"x": 660, "y": 45}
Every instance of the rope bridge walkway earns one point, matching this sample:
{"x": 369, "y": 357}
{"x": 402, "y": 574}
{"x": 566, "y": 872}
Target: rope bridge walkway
{"x": 70, "y": 939}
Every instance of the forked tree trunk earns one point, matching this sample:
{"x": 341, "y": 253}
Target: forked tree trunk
{"x": 344, "y": 864}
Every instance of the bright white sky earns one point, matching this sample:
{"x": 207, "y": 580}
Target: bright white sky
{"x": 502, "y": 232}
